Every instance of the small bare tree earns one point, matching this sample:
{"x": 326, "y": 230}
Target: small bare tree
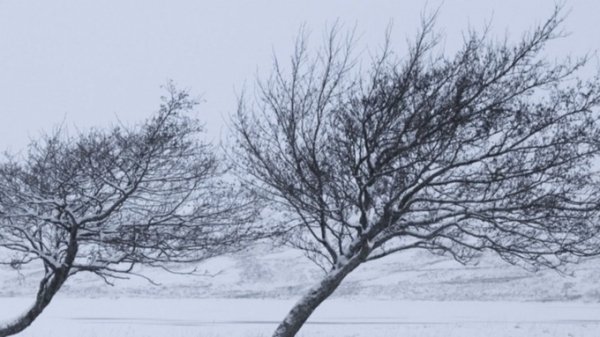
{"x": 104, "y": 201}
{"x": 491, "y": 149}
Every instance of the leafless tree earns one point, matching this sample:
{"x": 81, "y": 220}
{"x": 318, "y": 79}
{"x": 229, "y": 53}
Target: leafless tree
{"x": 106, "y": 200}
{"x": 491, "y": 149}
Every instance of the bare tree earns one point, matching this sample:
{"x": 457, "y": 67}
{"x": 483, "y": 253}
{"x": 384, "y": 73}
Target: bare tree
{"x": 104, "y": 201}
{"x": 491, "y": 149}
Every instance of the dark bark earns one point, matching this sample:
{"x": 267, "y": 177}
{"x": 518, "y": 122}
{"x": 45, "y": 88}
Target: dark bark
{"x": 302, "y": 310}
{"x": 48, "y": 288}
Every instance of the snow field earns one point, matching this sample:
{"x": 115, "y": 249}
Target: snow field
{"x": 129, "y": 317}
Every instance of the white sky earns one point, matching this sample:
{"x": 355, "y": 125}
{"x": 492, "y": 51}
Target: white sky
{"x": 88, "y": 63}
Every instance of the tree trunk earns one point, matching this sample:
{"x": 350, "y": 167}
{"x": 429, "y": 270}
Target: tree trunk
{"x": 296, "y": 318}
{"x": 48, "y": 288}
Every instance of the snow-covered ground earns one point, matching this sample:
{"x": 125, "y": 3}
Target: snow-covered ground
{"x": 70, "y": 317}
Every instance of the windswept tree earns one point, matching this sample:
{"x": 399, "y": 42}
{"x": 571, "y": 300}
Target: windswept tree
{"x": 490, "y": 149}
{"x": 106, "y": 200}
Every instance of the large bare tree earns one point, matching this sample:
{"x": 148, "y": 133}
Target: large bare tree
{"x": 490, "y": 149}
{"x": 106, "y": 200}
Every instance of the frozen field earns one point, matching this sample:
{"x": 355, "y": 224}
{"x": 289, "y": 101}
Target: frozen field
{"x": 68, "y": 317}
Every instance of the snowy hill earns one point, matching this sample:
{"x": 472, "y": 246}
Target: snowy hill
{"x": 284, "y": 273}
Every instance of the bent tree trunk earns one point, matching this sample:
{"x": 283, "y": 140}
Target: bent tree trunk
{"x": 48, "y": 288}
{"x": 296, "y": 318}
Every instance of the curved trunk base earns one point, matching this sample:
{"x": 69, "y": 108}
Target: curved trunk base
{"x": 45, "y": 294}
{"x": 296, "y": 318}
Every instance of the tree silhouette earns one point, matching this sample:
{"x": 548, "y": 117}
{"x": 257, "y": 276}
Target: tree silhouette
{"x": 491, "y": 149}
{"x": 107, "y": 200}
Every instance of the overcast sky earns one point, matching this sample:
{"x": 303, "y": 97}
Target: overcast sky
{"x": 86, "y": 63}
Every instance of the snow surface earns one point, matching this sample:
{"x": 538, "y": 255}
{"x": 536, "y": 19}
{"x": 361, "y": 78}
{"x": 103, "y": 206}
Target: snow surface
{"x": 70, "y": 317}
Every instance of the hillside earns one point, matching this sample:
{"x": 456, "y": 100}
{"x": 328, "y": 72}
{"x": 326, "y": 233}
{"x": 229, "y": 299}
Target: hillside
{"x": 283, "y": 273}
